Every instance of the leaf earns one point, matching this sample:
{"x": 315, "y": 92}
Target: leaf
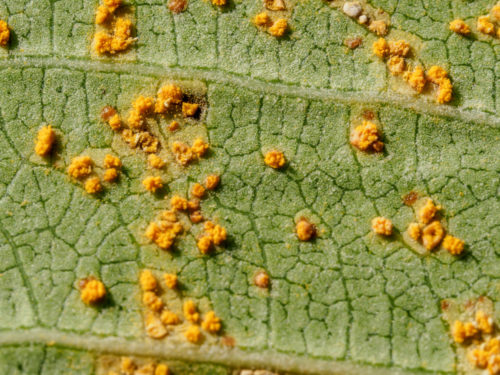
{"x": 348, "y": 302}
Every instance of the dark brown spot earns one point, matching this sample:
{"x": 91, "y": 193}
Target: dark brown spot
{"x": 107, "y": 112}
{"x": 177, "y": 6}
{"x": 368, "y": 115}
{"x": 353, "y": 43}
{"x": 410, "y": 198}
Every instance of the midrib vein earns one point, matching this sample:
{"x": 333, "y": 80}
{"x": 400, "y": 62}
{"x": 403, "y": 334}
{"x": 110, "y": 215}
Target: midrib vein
{"x": 216, "y": 76}
{"x": 168, "y": 350}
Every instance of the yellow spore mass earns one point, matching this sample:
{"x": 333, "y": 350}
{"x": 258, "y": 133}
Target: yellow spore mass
{"x": 416, "y": 79}
{"x": 199, "y": 147}
{"x": 445, "y": 91}
{"x": 485, "y": 323}
{"x": 155, "y": 161}
{"x": 396, "y": 65}
{"x": 102, "y": 42}
{"x": 110, "y": 175}
{"x": 432, "y": 235}
{"x": 212, "y": 181}
{"x": 494, "y": 365}
{"x": 163, "y": 233}
{"x": 170, "y": 280}
{"x": 167, "y": 96}
{"x": 427, "y": 212}
{"x": 379, "y": 27}
{"x": 152, "y": 183}
{"x": 152, "y": 301}
{"x": 211, "y": 323}
{"x": 414, "y": 231}
{"x": 485, "y": 26}
{"x": 217, "y": 233}
{"x": 93, "y": 185}
{"x": 193, "y": 334}
{"x": 127, "y": 365}
{"x": 436, "y": 74}
{"x": 190, "y": 312}
{"x": 178, "y": 203}
{"x": 305, "y": 230}
{"x": 198, "y": 190}
{"x": 162, "y": 369}
{"x": 111, "y": 161}
{"x": 81, "y": 166}
{"x": 92, "y": 292}
{"x": 102, "y": 14}
{"x": 147, "y": 281}
{"x": 114, "y": 122}
{"x": 366, "y": 136}
{"x": 275, "y": 159}
{"x": 189, "y": 109}
{"x": 279, "y": 27}
{"x": 460, "y": 27}
{"x": 112, "y": 5}
{"x": 204, "y": 244}
{"x": 382, "y": 226}
{"x": 143, "y": 105}
{"x": 4, "y": 33}
{"x": 219, "y": 3}
{"x": 45, "y": 140}
{"x": 454, "y": 245}
{"x": 262, "y": 19}
{"x": 399, "y": 48}
{"x": 495, "y": 12}
{"x": 169, "y": 318}
{"x": 462, "y": 331}
{"x": 380, "y": 48}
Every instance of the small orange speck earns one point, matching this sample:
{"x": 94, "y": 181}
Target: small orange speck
{"x": 170, "y": 280}
{"x": 4, "y": 33}
{"x": 278, "y": 28}
{"x": 110, "y": 175}
{"x": 93, "y": 291}
{"x": 93, "y": 185}
{"x": 211, "y": 323}
{"x": 454, "y": 245}
{"x": 305, "y": 230}
{"x": 382, "y": 226}
{"x": 190, "y": 312}
{"x": 155, "y": 161}
{"x": 193, "y": 334}
{"x": 212, "y": 181}
{"x": 81, "y": 166}
{"x": 147, "y": 281}
{"x": 189, "y": 109}
{"x": 178, "y": 203}
{"x": 262, "y": 19}
{"x": 152, "y": 183}
{"x": 198, "y": 190}
{"x": 275, "y": 159}
{"x": 45, "y": 140}
{"x": 111, "y": 161}
{"x": 460, "y": 27}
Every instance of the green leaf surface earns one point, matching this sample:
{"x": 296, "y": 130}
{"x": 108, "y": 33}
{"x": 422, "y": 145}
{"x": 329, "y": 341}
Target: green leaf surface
{"x": 348, "y": 302}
